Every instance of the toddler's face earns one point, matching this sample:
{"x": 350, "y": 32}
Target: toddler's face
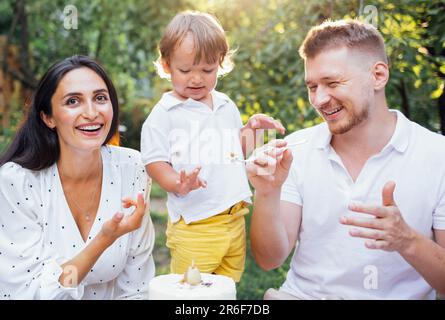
{"x": 190, "y": 80}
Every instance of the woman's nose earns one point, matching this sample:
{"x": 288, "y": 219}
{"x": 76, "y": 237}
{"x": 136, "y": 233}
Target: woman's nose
{"x": 90, "y": 110}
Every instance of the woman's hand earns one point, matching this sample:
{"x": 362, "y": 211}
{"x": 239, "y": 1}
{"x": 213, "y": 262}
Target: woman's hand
{"x": 121, "y": 224}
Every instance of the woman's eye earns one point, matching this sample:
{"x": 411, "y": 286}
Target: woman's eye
{"x": 102, "y": 98}
{"x": 72, "y": 101}
{"x": 208, "y": 70}
{"x": 184, "y": 71}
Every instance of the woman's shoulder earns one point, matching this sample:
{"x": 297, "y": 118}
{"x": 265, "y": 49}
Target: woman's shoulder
{"x": 12, "y": 171}
{"x": 17, "y": 180}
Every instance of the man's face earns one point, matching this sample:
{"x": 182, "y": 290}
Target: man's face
{"x": 340, "y": 87}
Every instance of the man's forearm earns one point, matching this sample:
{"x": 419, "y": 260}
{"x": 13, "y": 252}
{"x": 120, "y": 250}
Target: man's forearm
{"x": 270, "y": 245}
{"x": 428, "y": 258}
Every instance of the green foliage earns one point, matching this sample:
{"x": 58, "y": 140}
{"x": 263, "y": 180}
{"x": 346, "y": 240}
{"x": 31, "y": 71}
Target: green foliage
{"x": 269, "y": 74}
{"x": 157, "y": 191}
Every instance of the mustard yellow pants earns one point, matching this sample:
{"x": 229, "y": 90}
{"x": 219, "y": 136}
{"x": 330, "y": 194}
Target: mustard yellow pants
{"x": 216, "y": 244}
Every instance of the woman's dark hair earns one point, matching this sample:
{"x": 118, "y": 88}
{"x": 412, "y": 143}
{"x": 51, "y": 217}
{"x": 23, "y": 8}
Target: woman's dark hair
{"x": 36, "y": 146}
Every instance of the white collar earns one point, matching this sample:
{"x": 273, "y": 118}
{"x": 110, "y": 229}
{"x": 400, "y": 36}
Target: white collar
{"x": 168, "y": 100}
{"x": 399, "y": 140}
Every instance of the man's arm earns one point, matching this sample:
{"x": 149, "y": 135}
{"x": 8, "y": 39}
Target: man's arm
{"x": 428, "y": 258}
{"x": 274, "y": 229}
{"x": 275, "y": 223}
{"x": 388, "y": 231}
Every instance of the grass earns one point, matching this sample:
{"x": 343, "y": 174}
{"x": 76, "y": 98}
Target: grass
{"x": 254, "y": 282}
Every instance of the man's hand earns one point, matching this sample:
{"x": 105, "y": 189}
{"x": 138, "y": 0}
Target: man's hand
{"x": 271, "y": 166}
{"x": 248, "y": 133}
{"x": 189, "y": 181}
{"x": 262, "y": 121}
{"x": 386, "y": 230}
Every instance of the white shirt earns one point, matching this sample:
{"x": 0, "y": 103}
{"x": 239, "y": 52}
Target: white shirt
{"x": 39, "y": 234}
{"x": 187, "y": 134}
{"x": 328, "y": 262}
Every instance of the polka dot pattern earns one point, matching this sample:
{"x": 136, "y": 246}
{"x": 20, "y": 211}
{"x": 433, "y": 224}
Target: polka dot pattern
{"x": 55, "y": 236}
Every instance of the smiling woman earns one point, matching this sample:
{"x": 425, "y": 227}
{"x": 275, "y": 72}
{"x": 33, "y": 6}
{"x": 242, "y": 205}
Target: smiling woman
{"x": 65, "y": 192}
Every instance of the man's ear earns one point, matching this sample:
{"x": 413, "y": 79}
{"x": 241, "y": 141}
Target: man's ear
{"x": 165, "y": 66}
{"x": 48, "y": 120}
{"x": 380, "y": 71}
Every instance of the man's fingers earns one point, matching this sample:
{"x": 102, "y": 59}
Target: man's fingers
{"x": 376, "y": 244}
{"x": 280, "y": 127}
{"x": 388, "y": 194}
{"x": 277, "y": 143}
{"x": 377, "y": 211}
{"x": 367, "y": 233}
{"x": 264, "y": 160}
{"x": 286, "y": 160}
{"x": 371, "y": 223}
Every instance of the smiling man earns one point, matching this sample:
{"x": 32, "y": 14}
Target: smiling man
{"x": 363, "y": 202}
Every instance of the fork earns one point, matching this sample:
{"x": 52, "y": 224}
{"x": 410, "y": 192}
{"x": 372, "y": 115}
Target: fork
{"x": 252, "y": 158}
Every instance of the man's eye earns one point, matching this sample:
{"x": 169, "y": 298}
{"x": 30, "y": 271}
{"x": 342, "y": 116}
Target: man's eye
{"x": 312, "y": 89}
{"x": 333, "y": 84}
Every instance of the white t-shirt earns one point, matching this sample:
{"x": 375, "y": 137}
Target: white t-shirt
{"x": 187, "y": 134}
{"x": 39, "y": 234}
{"x": 328, "y": 262}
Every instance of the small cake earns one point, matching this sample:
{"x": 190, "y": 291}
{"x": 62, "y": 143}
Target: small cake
{"x": 193, "y": 285}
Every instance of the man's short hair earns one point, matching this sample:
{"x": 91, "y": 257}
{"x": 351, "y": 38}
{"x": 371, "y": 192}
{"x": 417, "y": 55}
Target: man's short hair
{"x": 353, "y": 34}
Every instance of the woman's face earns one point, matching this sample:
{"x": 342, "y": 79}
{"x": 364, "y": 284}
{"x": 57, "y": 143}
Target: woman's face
{"x": 81, "y": 111}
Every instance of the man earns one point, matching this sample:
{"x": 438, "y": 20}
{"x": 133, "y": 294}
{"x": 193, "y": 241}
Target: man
{"x": 365, "y": 196}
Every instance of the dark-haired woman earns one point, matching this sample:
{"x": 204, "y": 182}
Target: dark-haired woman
{"x": 73, "y": 217}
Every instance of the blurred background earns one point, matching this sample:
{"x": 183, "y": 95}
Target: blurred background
{"x": 268, "y": 75}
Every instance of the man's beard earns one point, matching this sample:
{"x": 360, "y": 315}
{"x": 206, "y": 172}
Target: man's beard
{"x": 353, "y": 119}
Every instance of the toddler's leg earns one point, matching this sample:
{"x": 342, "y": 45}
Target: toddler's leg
{"x": 233, "y": 262}
{"x": 205, "y": 242}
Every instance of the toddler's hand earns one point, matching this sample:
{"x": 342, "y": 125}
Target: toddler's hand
{"x": 189, "y": 181}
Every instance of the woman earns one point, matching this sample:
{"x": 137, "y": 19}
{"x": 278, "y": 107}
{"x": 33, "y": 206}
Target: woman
{"x": 67, "y": 227}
